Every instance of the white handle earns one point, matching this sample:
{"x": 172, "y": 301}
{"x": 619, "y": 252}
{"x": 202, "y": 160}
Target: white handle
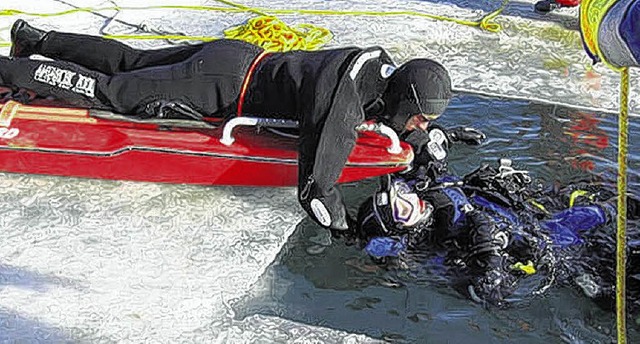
{"x": 380, "y": 128}
{"x": 227, "y": 132}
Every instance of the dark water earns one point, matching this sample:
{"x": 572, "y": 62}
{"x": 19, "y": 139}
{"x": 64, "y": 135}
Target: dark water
{"x": 318, "y": 281}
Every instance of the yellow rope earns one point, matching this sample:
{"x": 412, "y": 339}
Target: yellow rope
{"x": 621, "y": 235}
{"x": 13, "y": 12}
{"x": 151, "y": 37}
{"x": 485, "y": 23}
{"x": 232, "y": 4}
{"x": 276, "y": 36}
{"x": 592, "y": 13}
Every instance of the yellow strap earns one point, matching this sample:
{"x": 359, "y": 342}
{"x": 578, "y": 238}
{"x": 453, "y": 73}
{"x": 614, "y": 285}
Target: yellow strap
{"x": 528, "y": 268}
{"x": 578, "y": 193}
{"x": 539, "y": 206}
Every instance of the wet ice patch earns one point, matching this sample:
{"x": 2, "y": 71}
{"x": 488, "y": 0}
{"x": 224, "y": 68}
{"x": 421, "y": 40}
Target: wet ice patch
{"x": 133, "y": 261}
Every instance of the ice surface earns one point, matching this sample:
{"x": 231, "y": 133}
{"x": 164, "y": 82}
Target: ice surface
{"x": 102, "y": 261}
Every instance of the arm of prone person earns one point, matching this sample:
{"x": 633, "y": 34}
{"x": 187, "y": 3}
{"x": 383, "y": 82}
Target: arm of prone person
{"x": 431, "y": 147}
{"x": 323, "y": 157}
{"x": 468, "y": 135}
{"x": 431, "y": 150}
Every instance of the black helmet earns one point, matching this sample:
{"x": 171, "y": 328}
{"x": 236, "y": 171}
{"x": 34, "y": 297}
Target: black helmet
{"x": 420, "y": 86}
{"x": 393, "y": 210}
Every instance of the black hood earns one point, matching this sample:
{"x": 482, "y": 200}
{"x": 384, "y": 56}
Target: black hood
{"x": 418, "y": 86}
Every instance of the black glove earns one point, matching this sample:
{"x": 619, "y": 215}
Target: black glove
{"x": 425, "y": 166}
{"x": 492, "y": 287}
{"x": 418, "y": 140}
{"x": 469, "y": 136}
{"x": 324, "y": 206}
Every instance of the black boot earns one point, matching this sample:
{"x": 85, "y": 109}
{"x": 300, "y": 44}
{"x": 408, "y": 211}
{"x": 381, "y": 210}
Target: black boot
{"x": 546, "y": 6}
{"x": 24, "y": 39}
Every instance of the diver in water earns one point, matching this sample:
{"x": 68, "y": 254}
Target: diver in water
{"x": 496, "y": 230}
{"x": 329, "y": 92}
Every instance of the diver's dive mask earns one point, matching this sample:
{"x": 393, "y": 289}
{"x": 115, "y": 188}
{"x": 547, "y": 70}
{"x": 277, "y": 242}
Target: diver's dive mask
{"x": 398, "y": 209}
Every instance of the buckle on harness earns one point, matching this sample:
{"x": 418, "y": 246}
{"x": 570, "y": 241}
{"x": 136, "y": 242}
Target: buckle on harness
{"x": 506, "y": 169}
{"x": 168, "y": 109}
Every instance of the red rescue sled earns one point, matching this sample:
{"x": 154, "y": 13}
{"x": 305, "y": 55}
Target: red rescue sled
{"x": 64, "y": 141}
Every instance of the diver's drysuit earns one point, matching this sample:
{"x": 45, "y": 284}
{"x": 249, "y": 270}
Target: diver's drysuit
{"x": 329, "y": 92}
{"x": 498, "y": 227}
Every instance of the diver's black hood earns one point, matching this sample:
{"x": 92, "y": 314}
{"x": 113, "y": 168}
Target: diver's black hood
{"x": 418, "y": 86}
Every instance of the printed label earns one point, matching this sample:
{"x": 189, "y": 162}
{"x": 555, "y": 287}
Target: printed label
{"x": 64, "y": 79}
{"x": 320, "y": 212}
{"x": 386, "y": 70}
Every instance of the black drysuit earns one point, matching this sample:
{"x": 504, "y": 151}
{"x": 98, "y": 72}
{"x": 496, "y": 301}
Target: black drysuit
{"x": 327, "y": 91}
